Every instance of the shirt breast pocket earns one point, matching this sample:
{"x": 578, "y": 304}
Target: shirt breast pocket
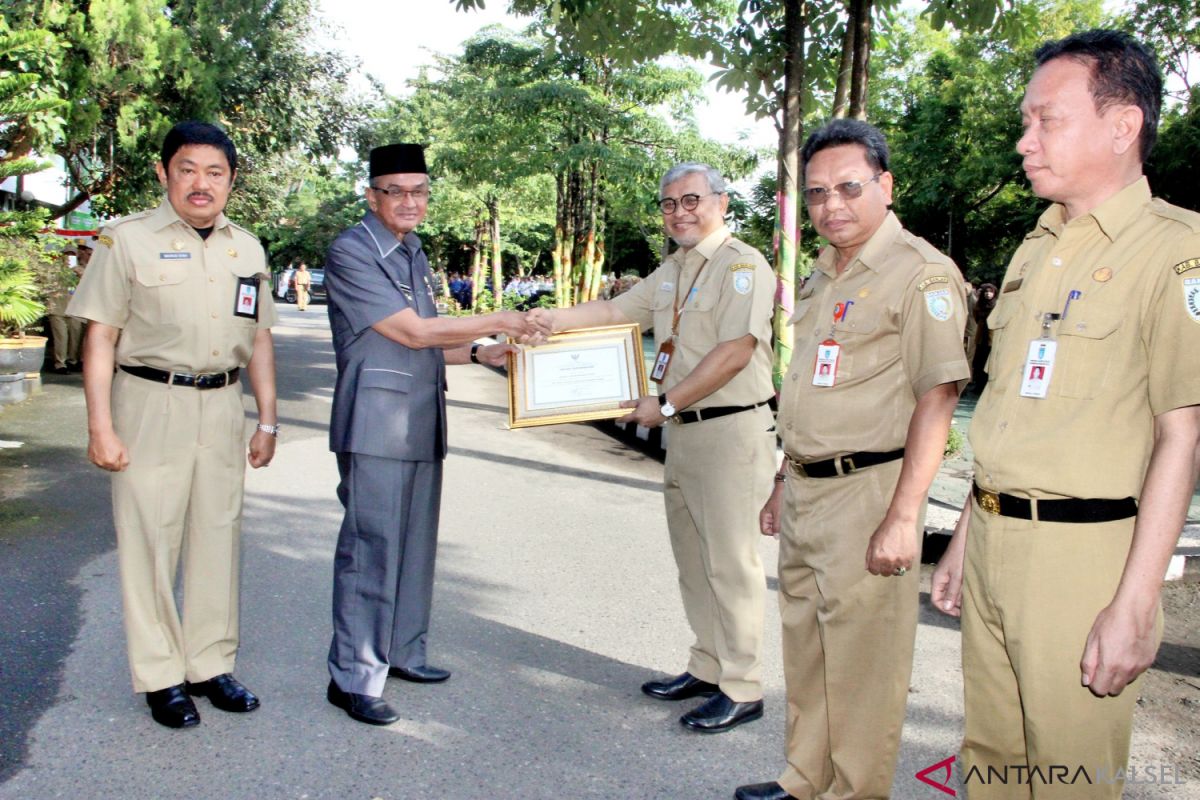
{"x": 1088, "y": 352}
{"x": 999, "y": 325}
{"x": 857, "y": 335}
{"x": 160, "y": 289}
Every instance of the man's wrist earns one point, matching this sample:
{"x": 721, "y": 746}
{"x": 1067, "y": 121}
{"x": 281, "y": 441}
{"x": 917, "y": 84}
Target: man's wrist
{"x": 265, "y": 428}
{"x": 475, "y": 353}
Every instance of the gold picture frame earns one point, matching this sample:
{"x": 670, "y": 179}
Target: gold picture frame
{"x": 576, "y": 376}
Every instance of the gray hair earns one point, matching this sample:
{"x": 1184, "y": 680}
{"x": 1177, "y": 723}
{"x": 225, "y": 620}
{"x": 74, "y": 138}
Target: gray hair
{"x": 716, "y": 183}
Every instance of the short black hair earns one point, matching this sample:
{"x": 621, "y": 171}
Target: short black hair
{"x": 196, "y": 132}
{"x": 848, "y": 131}
{"x": 1123, "y": 70}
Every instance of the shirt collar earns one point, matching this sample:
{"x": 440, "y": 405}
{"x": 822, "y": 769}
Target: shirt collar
{"x": 1111, "y": 217}
{"x": 165, "y": 216}
{"x": 873, "y": 254}
{"x": 385, "y": 240}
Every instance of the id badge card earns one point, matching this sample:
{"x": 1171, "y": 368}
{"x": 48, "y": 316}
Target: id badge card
{"x": 1039, "y": 366}
{"x": 662, "y": 361}
{"x": 826, "y": 364}
{"x": 246, "y": 303}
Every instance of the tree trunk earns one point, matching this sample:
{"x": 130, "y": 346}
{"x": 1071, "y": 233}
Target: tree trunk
{"x": 493, "y": 206}
{"x": 860, "y": 76}
{"x": 477, "y": 264}
{"x": 841, "y": 91}
{"x": 556, "y": 255}
{"x": 795, "y": 22}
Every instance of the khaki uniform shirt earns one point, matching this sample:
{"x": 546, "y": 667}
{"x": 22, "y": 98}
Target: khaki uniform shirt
{"x": 902, "y": 336}
{"x": 1127, "y": 349}
{"x": 173, "y": 294}
{"x": 733, "y": 296}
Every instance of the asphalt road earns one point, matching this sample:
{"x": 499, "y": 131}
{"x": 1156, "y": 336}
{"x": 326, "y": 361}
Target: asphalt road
{"x": 556, "y": 597}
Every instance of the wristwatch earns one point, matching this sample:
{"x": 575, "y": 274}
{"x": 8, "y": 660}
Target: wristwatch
{"x": 271, "y": 429}
{"x": 475, "y": 353}
{"x": 666, "y": 408}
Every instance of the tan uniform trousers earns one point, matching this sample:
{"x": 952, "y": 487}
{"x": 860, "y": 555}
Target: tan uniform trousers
{"x": 68, "y": 337}
{"x": 182, "y": 491}
{"x": 302, "y": 298}
{"x": 847, "y": 637}
{"x": 717, "y": 477}
{"x": 1031, "y": 592}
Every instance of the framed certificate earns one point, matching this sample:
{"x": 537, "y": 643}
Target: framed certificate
{"x": 576, "y": 376}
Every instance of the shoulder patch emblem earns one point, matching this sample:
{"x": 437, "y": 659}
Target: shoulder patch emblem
{"x": 1184, "y": 266}
{"x": 938, "y": 304}
{"x": 741, "y": 267}
{"x": 743, "y": 281}
{"x": 930, "y": 281}
{"x": 1191, "y": 297}
{"x": 105, "y": 240}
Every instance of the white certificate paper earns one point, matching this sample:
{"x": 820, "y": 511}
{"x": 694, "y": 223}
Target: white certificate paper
{"x": 567, "y": 376}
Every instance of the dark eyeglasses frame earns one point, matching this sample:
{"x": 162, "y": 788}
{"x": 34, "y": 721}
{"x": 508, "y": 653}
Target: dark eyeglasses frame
{"x": 690, "y": 202}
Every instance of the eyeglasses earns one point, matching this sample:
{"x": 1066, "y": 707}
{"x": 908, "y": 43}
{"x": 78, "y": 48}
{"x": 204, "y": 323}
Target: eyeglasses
{"x": 395, "y": 192}
{"x": 667, "y": 205}
{"x": 849, "y": 190}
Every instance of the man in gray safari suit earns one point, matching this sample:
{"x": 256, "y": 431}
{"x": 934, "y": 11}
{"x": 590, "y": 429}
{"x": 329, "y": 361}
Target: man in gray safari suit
{"x": 388, "y": 430}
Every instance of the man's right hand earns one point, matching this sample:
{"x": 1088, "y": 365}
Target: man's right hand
{"x": 107, "y": 451}
{"x": 512, "y": 323}
{"x": 541, "y": 320}
{"x": 769, "y": 519}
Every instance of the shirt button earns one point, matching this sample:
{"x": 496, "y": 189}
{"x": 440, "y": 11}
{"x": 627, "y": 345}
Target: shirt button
{"x": 214, "y": 316}
{"x": 162, "y": 277}
{"x": 1056, "y": 261}
{"x": 216, "y": 352}
{"x": 212, "y": 280}
{"x": 789, "y": 426}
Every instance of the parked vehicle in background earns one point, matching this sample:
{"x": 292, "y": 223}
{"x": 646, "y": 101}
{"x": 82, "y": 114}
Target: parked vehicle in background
{"x": 316, "y": 289}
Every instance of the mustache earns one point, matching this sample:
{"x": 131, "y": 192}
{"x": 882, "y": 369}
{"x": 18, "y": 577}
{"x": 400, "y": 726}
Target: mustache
{"x": 205, "y": 195}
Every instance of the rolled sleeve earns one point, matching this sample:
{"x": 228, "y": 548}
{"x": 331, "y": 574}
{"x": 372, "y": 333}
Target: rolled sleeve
{"x": 360, "y": 288}
{"x": 932, "y": 348}
{"x": 104, "y": 292}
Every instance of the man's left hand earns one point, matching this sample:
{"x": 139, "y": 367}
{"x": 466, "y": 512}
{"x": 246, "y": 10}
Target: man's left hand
{"x": 646, "y": 412}
{"x": 262, "y": 449}
{"x": 495, "y": 355}
{"x": 893, "y": 546}
{"x": 1120, "y": 646}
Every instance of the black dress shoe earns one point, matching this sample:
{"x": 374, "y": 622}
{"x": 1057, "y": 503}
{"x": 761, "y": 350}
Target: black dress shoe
{"x": 172, "y": 707}
{"x": 720, "y": 713}
{"x": 762, "y": 791}
{"x": 422, "y": 674}
{"x": 371, "y": 710}
{"x": 225, "y": 693}
{"x": 681, "y": 687}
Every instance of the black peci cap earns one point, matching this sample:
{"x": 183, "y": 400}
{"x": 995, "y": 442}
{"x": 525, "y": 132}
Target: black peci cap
{"x": 392, "y": 159}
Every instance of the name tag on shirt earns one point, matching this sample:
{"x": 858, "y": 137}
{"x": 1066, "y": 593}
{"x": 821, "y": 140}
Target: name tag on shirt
{"x": 1039, "y": 366}
{"x": 246, "y": 304}
{"x": 825, "y": 367}
{"x": 174, "y": 256}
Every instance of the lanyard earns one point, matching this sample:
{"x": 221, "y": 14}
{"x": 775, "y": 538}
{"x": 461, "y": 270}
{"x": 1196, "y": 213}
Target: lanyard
{"x": 678, "y": 306}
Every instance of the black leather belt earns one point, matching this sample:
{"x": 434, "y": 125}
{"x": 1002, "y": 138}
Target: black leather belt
{"x": 1068, "y": 510}
{"x": 842, "y": 465}
{"x": 700, "y": 414}
{"x": 214, "y": 380}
